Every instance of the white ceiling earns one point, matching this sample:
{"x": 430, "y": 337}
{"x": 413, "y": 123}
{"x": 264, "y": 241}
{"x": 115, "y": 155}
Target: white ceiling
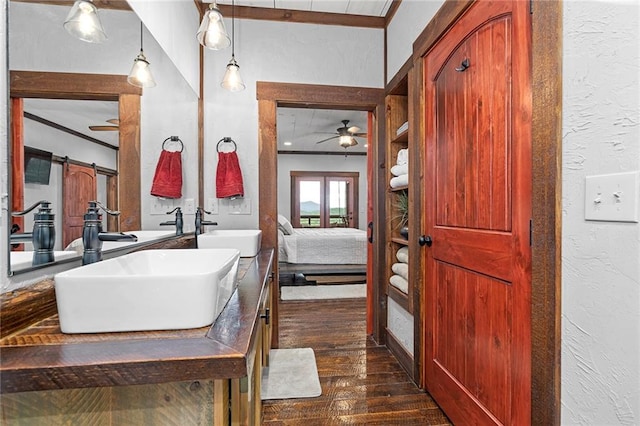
{"x": 350, "y": 7}
{"x": 304, "y": 127}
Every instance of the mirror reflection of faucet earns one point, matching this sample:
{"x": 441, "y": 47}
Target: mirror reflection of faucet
{"x": 178, "y": 222}
{"x": 200, "y": 223}
{"x": 92, "y": 235}
{"x": 43, "y": 236}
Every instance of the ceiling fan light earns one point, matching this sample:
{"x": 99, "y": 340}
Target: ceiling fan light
{"x": 212, "y": 34}
{"x": 140, "y": 74}
{"x": 83, "y": 22}
{"x": 346, "y": 141}
{"x": 232, "y": 80}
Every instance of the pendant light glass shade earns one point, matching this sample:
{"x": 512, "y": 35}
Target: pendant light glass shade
{"x": 212, "y": 34}
{"x": 83, "y": 22}
{"x": 232, "y": 80}
{"x": 140, "y": 74}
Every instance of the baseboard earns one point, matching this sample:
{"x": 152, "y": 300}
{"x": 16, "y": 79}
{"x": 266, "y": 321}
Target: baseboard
{"x": 402, "y": 355}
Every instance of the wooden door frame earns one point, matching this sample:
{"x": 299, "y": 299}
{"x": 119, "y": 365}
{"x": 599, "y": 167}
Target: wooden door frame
{"x": 103, "y": 87}
{"x": 272, "y": 95}
{"x": 546, "y": 55}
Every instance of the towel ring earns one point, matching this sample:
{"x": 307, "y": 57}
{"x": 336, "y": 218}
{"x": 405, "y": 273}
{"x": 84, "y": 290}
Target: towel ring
{"x": 227, "y": 139}
{"x": 173, "y": 139}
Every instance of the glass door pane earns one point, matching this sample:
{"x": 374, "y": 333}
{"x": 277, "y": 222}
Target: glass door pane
{"x": 338, "y": 203}
{"x": 310, "y": 203}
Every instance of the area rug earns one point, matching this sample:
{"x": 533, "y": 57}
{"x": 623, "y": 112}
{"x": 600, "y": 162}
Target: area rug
{"x": 311, "y": 292}
{"x": 292, "y": 373}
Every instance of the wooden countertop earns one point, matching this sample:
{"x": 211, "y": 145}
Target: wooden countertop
{"x": 41, "y": 357}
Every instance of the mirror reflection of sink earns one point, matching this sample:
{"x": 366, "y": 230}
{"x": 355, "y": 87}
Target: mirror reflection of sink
{"x": 147, "y": 290}
{"x": 246, "y": 240}
{"x": 143, "y": 237}
{"x": 24, "y": 259}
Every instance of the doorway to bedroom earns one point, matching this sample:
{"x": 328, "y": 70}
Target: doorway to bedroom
{"x": 345, "y": 136}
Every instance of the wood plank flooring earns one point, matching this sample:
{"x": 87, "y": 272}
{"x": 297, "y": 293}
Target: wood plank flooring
{"x": 362, "y": 383}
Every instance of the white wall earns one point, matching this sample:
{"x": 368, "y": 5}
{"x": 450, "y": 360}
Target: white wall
{"x": 600, "y": 260}
{"x": 277, "y": 52}
{"x": 407, "y": 24}
{"x": 325, "y": 163}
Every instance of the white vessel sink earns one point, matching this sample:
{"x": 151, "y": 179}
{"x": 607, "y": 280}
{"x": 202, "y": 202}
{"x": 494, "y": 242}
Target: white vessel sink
{"x": 246, "y": 240}
{"x": 147, "y": 290}
{"x": 24, "y": 259}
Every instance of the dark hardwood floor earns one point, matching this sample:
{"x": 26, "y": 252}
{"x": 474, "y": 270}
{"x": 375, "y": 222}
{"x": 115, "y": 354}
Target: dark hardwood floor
{"x": 362, "y": 383}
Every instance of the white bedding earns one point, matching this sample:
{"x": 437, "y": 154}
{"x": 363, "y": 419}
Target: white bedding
{"x": 326, "y": 246}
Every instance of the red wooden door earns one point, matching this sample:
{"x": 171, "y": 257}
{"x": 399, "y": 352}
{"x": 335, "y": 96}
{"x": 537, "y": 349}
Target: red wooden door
{"x": 79, "y": 187}
{"x": 477, "y": 211}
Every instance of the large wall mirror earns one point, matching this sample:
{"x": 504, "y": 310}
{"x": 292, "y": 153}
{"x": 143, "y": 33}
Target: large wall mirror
{"x": 70, "y": 102}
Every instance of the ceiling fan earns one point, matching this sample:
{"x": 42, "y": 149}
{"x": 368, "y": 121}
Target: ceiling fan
{"x": 104, "y": 128}
{"x": 346, "y": 135}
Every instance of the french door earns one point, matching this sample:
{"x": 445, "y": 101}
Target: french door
{"x": 324, "y": 199}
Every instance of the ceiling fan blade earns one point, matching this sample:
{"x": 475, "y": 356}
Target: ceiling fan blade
{"x": 353, "y": 129}
{"x": 328, "y": 139}
{"x": 360, "y": 135}
{"x": 104, "y": 128}
{"x": 115, "y": 121}
{"x": 354, "y": 142}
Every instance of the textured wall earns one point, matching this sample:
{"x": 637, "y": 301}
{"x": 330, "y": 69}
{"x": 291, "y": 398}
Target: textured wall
{"x": 601, "y": 285}
{"x": 4, "y": 164}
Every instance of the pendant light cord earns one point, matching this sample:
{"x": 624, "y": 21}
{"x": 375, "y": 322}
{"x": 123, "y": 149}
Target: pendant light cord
{"x": 233, "y": 29}
{"x": 141, "y": 36}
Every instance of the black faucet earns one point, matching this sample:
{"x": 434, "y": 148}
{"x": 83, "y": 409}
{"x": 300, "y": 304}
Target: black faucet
{"x": 92, "y": 235}
{"x": 201, "y": 223}
{"x": 43, "y": 236}
{"x": 178, "y": 222}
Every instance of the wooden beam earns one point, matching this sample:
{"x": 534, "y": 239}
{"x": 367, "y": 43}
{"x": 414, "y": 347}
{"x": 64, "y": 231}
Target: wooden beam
{"x": 320, "y": 96}
{"x": 302, "y": 16}
{"x": 395, "y": 4}
{"x": 100, "y": 4}
{"x": 17, "y": 162}
{"x": 68, "y": 130}
{"x": 345, "y": 153}
{"x": 63, "y": 85}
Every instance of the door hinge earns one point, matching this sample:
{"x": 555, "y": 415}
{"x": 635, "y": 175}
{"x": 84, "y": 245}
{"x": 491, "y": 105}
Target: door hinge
{"x": 530, "y": 232}
{"x": 531, "y": 7}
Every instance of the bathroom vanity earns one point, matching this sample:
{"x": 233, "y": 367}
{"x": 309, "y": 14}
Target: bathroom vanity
{"x": 208, "y": 375}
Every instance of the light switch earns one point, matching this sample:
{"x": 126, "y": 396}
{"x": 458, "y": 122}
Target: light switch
{"x": 189, "y": 206}
{"x": 612, "y": 197}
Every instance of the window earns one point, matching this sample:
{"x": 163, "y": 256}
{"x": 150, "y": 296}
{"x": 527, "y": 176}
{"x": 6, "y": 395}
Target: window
{"x": 324, "y": 199}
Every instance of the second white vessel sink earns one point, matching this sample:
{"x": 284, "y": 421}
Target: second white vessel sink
{"x": 246, "y": 240}
{"x": 147, "y": 290}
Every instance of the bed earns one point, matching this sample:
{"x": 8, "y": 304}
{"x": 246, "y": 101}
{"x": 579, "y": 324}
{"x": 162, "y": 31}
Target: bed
{"x": 324, "y": 246}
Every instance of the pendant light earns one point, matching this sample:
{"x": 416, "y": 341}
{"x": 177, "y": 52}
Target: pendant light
{"x": 140, "y": 74}
{"x": 232, "y": 80}
{"x": 212, "y": 34}
{"x": 83, "y": 22}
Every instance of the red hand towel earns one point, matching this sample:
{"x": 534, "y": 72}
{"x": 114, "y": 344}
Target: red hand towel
{"x": 229, "y": 176}
{"x": 167, "y": 182}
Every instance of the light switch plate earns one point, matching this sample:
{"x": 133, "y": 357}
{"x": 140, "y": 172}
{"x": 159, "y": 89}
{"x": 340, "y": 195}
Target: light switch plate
{"x": 212, "y": 206}
{"x": 160, "y": 206}
{"x": 189, "y": 206}
{"x": 240, "y": 206}
{"x": 612, "y": 197}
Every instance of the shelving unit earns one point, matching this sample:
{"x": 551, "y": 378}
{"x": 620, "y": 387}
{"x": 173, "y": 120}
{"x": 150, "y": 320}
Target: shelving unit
{"x": 397, "y": 113}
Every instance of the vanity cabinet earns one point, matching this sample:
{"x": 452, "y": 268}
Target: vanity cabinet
{"x": 208, "y": 376}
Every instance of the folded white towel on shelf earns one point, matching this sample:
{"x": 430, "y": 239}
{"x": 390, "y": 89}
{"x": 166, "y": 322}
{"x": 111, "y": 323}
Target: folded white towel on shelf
{"x": 403, "y": 156}
{"x": 403, "y": 255}
{"x": 400, "y": 283}
{"x": 401, "y": 269}
{"x": 399, "y": 181}
{"x": 400, "y": 169}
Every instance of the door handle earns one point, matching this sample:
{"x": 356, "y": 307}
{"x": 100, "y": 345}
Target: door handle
{"x": 425, "y": 240}
{"x": 370, "y": 228}
{"x": 266, "y": 316}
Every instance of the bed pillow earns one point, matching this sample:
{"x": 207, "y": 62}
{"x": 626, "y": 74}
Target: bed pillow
{"x": 284, "y": 225}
